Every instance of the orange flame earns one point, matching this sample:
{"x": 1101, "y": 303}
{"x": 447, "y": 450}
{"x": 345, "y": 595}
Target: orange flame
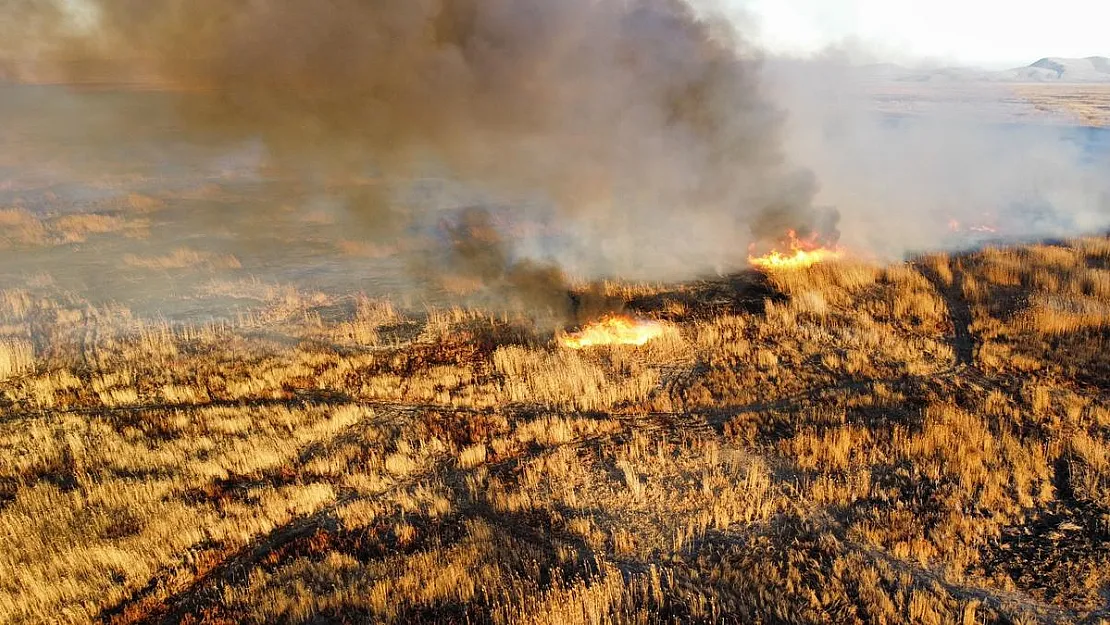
{"x": 802, "y": 253}
{"x": 613, "y": 330}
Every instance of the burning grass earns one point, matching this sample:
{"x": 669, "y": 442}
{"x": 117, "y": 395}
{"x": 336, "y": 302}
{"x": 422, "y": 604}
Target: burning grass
{"x": 795, "y": 252}
{"x": 919, "y": 443}
{"x": 613, "y": 330}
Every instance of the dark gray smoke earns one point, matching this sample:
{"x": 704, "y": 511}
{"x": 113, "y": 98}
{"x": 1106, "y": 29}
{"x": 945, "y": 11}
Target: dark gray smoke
{"x": 642, "y": 121}
{"x": 479, "y": 252}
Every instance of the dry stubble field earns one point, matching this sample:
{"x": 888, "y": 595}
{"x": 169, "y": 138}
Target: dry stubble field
{"x": 917, "y": 443}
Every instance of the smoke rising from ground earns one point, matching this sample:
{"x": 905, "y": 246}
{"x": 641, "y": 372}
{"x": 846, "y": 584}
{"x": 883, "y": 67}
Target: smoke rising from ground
{"x": 642, "y": 122}
{"x": 653, "y": 138}
{"x": 643, "y": 109}
{"x": 961, "y": 156}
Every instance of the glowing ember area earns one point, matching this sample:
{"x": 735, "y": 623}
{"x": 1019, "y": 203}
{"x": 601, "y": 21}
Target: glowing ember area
{"x": 800, "y": 253}
{"x": 613, "y": 330}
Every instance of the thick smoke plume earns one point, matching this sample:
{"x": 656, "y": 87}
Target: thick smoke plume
{"x": 642, "y": 121}
{"x": 643, "y": 135}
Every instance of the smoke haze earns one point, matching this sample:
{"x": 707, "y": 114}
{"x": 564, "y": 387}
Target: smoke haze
{"x": 646, "y": 104}
{"x": 949, "y": 156}
{"x": 651, "y": 135}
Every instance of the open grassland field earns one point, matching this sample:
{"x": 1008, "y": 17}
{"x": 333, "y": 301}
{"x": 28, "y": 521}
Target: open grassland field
{"x": 926, "y": 442}
{"x": 1088, "y": 104}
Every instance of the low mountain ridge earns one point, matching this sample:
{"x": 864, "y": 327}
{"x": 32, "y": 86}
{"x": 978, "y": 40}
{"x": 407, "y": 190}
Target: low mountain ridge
{"x": 1093, "y": 69}
{"x": 1090, "y": 69}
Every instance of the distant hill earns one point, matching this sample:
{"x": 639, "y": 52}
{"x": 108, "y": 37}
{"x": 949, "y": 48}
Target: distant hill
{"x": 1090, "y": 69}
{"x": 1093, "y": 69}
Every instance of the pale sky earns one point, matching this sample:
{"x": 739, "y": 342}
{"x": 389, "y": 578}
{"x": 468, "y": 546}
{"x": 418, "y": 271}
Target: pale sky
{"x": 993, "y": 33}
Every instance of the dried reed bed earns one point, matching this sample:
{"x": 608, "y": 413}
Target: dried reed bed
{"x": 917, "y": 443}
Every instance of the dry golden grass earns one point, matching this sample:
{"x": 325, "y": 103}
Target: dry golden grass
{"x": 17, "y": 356}
{"x": 183, "y": 258}
{"x": 567, "y": 379}
{"x": 76, "y": 228}
{"x": 1090, "y": 470}
{"x": 370, "y": 317}
{"x": 20, "y": 228}
{"x": 919, "y": 443}
{"x": 1088, "y": 104}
